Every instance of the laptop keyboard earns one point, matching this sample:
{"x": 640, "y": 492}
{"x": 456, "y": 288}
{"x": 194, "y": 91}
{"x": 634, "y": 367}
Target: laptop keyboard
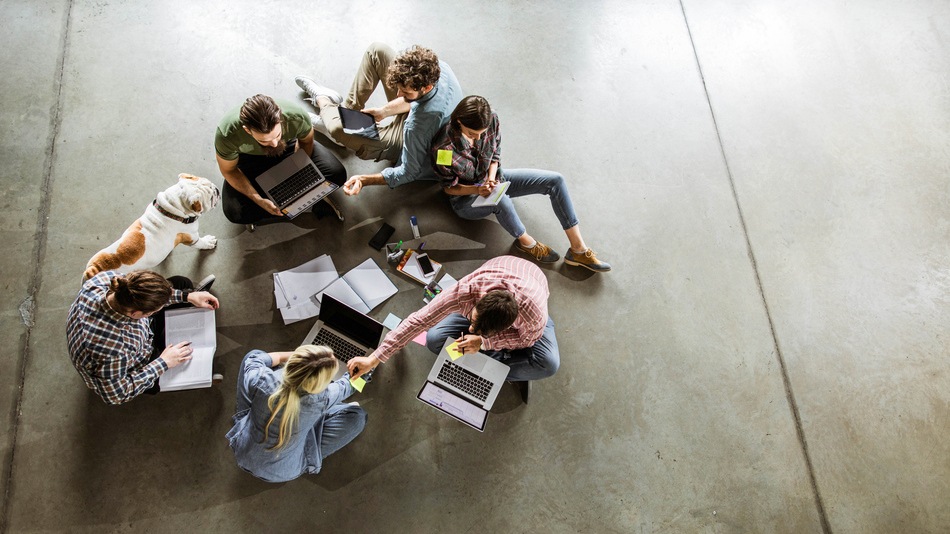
{"x": 343, "y": 349}
{"x": 299, "y": 182}
{"x": 465, "y": 380}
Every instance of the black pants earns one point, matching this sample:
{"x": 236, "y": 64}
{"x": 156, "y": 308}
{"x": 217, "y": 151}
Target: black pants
{"x": 157, "y": 324}
{"x": 241, "y": 210}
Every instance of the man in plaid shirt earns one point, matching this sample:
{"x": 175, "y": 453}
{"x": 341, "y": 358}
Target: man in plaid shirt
{"x": 110, "y": 336}
{"x": 503, "y": 306}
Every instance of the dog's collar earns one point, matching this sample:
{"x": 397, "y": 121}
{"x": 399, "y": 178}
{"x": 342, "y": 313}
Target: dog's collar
{"x": 163, "y": 211}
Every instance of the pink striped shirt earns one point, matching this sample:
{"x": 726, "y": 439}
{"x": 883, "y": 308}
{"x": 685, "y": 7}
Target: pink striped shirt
{"x": 520, "y": 277}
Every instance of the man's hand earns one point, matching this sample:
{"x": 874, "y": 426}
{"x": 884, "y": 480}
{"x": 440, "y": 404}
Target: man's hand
{"x": 469, "y": 343}
{"x": 362, "y": 365}
{"x": 175, "y": 355}
{"x": 353, "y": 186}
{"x": 267, "y": 205}
{"x": 377, "y": 113}
{"x": 203, "y": 299}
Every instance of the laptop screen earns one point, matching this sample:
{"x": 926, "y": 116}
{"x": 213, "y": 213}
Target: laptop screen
{"x": 453, "y": 405}
{"x": 359, "y": 327}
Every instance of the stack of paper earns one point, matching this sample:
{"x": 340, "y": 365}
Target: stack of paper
{"x": 298, "y": 290}
{"x": 294, "y": 288}
{"x": 197, "y": 326}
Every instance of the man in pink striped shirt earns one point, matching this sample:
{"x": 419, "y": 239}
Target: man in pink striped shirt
{"x": 501, "y": 309}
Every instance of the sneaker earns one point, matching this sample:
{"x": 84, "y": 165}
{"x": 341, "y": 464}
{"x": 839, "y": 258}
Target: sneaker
{"x": 327, "y": 206}
{"x": 588, "y": 260}
{"x": 320, "y": 126}
{"x": 313, "y": 90}
{"x": 205, "y": 283}
{"x": 540, "y": 251}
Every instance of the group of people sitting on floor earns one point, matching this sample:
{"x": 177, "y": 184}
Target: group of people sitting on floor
{"x": 290, "y": 413}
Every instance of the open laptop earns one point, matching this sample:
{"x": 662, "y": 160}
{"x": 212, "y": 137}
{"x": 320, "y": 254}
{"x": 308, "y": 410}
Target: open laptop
{"x": 295, "y": 184}
{"x": 466, "y": 388}
{"x": 349, "y": 333}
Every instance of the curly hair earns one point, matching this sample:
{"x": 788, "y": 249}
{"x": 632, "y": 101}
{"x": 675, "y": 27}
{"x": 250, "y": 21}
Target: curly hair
{"x": 416, "y": 68}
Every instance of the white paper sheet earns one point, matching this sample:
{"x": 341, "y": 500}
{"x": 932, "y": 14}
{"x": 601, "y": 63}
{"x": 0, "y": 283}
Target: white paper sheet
{"x": 370, "y": 283}
{"x": 196, "y": 325}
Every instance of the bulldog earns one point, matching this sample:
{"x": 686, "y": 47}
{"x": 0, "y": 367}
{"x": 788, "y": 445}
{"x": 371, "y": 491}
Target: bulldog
{"x": 170, "y": 219}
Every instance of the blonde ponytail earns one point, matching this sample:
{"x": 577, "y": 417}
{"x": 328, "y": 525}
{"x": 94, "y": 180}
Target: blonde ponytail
{"x": 308, "y": 370}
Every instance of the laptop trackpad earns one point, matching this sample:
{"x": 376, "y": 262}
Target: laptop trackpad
{"x": 472, "y": 362}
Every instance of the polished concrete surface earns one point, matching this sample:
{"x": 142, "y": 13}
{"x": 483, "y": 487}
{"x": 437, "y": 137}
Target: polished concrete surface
{"x": 769, "y": 180}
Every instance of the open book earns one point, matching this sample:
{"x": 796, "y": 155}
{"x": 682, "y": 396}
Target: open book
{"x": 298, "y": 290}
{"x": 197, "y": 326}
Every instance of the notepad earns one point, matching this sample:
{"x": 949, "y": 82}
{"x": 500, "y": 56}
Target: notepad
{"x": 494, "y": 197}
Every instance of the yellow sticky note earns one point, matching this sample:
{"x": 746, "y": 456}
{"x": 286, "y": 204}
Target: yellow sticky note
{"x": 444, "y": 158}
{"x": 454, "y": 351}
{"x": 358, "y": 383}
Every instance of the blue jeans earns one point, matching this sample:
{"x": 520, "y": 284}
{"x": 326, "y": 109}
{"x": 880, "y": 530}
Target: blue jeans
{"x": 523, "y": 182}
{"x": 538, "y": 361}
{"x": 341, "y": 425}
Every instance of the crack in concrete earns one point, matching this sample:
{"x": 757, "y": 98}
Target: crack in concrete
{"x": 27, "y": 308}
{"x": 786, "y": 381}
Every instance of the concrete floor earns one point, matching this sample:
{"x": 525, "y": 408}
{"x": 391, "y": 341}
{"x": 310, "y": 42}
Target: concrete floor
{"x": 768, "y": 178}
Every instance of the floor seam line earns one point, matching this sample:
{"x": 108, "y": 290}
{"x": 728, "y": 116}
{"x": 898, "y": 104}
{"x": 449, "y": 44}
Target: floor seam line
{"x": 786, "y": 381}
{"x": 39, "y": 253}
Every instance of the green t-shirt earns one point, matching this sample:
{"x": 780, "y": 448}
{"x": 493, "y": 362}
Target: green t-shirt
{"x": 230, "y": 139}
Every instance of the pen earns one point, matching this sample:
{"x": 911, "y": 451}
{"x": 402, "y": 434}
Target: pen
{"x": 399, "y": 246}
{"x": 422, "y": 246}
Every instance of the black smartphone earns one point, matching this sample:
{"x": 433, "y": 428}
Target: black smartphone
{"x": 382, "y": 235}
{"x": 425, "y": 263}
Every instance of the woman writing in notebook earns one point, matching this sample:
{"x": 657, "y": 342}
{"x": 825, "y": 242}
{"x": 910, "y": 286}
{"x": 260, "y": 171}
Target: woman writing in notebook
{"x": 467, "y": 155}
{"x": 288, "y": 420}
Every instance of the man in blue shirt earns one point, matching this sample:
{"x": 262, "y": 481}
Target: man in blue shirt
{"x": 421, "y": 92}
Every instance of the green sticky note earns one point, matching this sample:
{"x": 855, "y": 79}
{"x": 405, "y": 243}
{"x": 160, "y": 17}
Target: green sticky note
{"x": 444, "y": 158}
{"x": 358, "y": 383}
{"x": 454, "y": 351}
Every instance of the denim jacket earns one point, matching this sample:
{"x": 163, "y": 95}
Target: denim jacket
{"x": 301, "y": 451}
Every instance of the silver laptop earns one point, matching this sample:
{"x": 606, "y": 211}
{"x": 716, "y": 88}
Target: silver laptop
{"x": 295, "y": 184}
{"x": 466, "y": 388}
{"x": 348, "y": 332}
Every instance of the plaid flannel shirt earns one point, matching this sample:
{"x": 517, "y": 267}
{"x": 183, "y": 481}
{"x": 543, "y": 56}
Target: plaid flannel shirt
{"x": 111, "y": 351}
{"x": 470, "y": 161}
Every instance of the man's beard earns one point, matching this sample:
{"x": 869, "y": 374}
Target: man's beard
{"x": 274, "y": 151}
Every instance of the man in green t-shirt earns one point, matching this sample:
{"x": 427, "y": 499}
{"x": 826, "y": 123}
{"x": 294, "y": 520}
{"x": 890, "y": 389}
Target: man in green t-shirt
{"x": 253, "y": 138}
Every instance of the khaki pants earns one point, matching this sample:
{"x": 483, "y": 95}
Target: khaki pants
{"x": 372, "y": 71}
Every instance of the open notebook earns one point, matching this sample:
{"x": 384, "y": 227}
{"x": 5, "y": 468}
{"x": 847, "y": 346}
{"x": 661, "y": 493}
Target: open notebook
{"x": 298, "y": 290}
{"x": 195, "y": 325}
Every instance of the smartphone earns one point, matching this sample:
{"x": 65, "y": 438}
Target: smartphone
{"x": 382, "y": 235}
{"x": 426, "y": 264}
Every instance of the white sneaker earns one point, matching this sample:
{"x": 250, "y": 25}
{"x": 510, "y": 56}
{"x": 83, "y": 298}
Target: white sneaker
{"x": 320, "y": 126}
{"x": 313, "y": 90}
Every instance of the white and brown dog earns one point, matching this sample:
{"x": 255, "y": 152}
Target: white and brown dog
{"x": 170, "y": 219}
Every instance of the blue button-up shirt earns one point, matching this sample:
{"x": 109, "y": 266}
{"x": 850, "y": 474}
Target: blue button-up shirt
{"x": 426, "y": 116}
